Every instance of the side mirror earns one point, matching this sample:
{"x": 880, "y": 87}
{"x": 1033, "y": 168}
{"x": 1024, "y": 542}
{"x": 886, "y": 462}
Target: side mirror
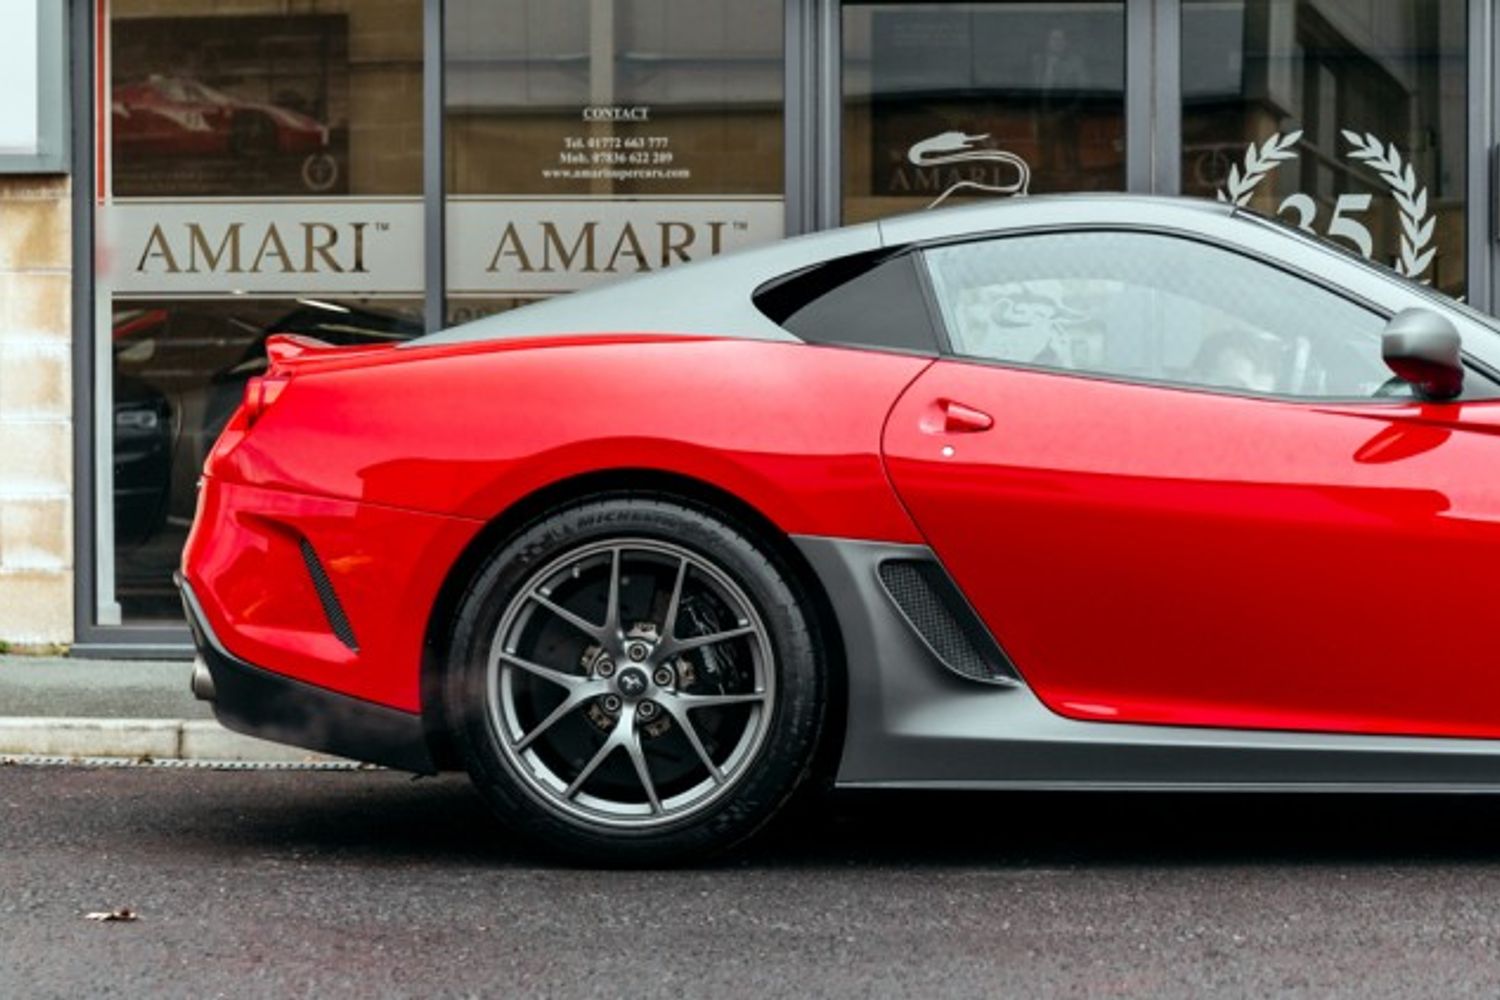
{"x": 1424, "y": 349}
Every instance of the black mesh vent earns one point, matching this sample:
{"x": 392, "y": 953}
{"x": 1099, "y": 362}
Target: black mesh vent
{"x": 940, "y": 615}
{"x": 337, "y": 620}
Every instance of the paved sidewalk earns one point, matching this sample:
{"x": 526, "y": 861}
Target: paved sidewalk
{"x": 58, "y": 706}
{"x": 58, "y": 686}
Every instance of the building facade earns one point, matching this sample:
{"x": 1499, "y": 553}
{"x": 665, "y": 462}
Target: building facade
{"x": 362, "y": 170}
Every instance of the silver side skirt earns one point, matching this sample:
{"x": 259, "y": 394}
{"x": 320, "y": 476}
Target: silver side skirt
{"x": 913, "y": 723}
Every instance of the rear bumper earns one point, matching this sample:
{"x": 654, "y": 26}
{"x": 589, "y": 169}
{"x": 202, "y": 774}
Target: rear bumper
{"x": 271, "y": 706}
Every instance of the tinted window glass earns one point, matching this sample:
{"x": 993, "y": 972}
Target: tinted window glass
{"x": 863, "y": 301}
{"x": 1155, "y": 308}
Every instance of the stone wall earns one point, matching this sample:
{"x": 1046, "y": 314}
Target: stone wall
{"x": 36, "y": 416}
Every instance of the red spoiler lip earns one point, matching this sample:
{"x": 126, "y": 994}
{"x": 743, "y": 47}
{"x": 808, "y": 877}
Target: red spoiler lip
{"x": 289, "y": 350}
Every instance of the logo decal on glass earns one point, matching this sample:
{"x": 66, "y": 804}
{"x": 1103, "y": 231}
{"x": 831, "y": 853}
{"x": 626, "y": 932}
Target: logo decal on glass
{"x": 948, "y": 148}
{"x": 1417, "y": 224}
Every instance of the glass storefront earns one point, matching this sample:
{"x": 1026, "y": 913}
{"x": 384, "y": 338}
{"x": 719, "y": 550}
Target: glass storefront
{"x": 269, "y": 167}
{"x": 587, "y": 141}
{"x": 1346, "y": 119}
{"x": 945, "y": 103}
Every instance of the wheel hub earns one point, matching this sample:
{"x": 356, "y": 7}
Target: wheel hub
{"x": 632, "y": 682}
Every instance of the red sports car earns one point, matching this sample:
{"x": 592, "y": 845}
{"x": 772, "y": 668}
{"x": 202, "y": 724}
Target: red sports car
{"x": 1087, "y": 492}
{"x": 178, "y": 116}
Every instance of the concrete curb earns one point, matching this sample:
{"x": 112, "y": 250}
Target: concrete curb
{"x": 156, "y": 739}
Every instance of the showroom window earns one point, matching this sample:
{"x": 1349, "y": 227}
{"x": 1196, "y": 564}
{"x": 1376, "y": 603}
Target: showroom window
{"x": 262, "y": 170}
{"x": 261, "y": 173}
{"x": 588, "y": 140}
{"x": 1347, "y": 120}
{"x": 947, "y": 103}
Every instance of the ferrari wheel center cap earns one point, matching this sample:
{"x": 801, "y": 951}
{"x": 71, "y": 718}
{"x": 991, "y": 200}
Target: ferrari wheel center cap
{"x": 632, "y": 682}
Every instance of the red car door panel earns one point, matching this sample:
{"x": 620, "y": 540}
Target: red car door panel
{"x": 1158, "y": 555}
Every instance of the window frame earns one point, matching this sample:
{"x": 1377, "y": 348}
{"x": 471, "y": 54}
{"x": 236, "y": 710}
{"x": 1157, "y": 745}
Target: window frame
{"x": 1490, "y": 379}
{"x": 54, "y": 98}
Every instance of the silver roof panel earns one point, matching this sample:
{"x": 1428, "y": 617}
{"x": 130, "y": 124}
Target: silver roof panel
{"x": 1052, "y": 210}
{"x": 704, "y": 297}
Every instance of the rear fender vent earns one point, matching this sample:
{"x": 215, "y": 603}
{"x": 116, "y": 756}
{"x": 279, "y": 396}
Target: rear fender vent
{"x": 332, "y": 609}
{"x": 936, "y": 610}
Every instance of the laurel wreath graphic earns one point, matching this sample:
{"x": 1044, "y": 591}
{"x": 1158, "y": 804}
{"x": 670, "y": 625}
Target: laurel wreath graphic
{"x": 1417, "y": 226}
{"x": 1259, "y": 161}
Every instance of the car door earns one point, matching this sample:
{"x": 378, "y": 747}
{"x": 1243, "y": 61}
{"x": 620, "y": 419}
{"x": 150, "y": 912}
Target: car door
{"x": 1161, "y": 472}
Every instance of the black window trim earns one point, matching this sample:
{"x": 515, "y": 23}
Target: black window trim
{"x": 871, "y": 259}
{"x": 1490, "y": 376}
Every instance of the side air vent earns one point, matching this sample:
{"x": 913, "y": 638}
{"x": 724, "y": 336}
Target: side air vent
{"x": 939, "y": 614}
{"x": 337, "y": 620}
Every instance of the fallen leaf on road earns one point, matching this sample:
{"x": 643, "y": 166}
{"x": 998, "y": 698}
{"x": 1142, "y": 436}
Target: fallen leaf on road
{"x": 120, "y": 914}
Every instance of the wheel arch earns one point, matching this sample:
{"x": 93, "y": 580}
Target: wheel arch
{"x": 637, "y": 482}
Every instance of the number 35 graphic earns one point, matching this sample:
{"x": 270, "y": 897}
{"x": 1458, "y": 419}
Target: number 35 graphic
{"x": 1340, "y": 225}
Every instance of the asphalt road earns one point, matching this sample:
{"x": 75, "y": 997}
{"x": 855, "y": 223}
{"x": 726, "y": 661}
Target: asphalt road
{"x": 265, "y": 883}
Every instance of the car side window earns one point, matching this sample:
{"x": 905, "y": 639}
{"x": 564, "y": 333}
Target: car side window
{"x": 1156, "y": 308}
{"x": 867, "y": 300}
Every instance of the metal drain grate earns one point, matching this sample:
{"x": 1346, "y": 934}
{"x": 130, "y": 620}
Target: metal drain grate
{"x": 39, "y": 760}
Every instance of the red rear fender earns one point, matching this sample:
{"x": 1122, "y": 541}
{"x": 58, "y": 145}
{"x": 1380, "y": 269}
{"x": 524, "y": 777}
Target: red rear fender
{"x": 793, "y": 430}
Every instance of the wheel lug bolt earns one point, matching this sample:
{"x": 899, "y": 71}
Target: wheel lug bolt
{"x": 605, "y": 667}
{"x": 664, "y": 676}
{"x": 647, "y": 710}
{"x": 637, "y": 651}
{"x": 611, "y": 703}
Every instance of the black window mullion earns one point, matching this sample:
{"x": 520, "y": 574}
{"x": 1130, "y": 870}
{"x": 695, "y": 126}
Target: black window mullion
{"x": 434, "y": 182}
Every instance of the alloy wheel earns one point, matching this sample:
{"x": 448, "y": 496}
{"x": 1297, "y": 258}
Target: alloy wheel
{"x": 630, "y": 683}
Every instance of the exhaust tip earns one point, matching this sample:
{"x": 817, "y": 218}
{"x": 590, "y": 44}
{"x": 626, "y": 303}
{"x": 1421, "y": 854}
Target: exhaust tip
{"x": 203, "y": 682}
